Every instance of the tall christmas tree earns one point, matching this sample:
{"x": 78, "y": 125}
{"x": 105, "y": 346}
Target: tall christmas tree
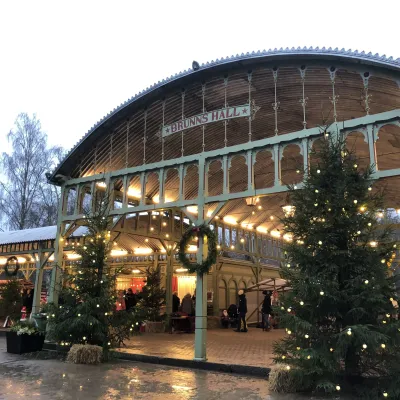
{"x": 342, "y": 328}
{"x": 87, "y": 309}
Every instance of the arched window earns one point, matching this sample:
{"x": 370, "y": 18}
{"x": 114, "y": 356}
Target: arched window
{"x": 242, "y": 285}
{"x": 222, "y": 294}
{"x": 232, "y": 293}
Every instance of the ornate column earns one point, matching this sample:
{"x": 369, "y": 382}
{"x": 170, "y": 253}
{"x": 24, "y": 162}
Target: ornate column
{"x": 371, "y": 145}
{"x": 200, "y": 339}
{"x": 169, "y": 273}
{"x": 277, "y": 165}
{"x": 38, "y": 280}
{"x": 55, "y": 283}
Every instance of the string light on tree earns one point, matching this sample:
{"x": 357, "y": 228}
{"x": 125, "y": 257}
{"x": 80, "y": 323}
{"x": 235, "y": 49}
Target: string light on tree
{"x": 343, "y": 249}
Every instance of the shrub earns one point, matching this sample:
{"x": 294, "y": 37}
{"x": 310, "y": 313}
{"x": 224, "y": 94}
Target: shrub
{"x": 11, "y": 299}
{"x": 85, "y": 354}
{"x": 25, "y": 328}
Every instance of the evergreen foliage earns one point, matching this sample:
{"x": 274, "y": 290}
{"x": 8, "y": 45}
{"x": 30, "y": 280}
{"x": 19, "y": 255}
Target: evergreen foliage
{"x": 152, "y": 296}
{"x": 343, "y": 332}
{"x": 11, "y": 299}
{"x": 87, "y": 312}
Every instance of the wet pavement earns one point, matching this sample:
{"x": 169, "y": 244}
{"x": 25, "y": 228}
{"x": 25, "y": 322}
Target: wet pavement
{"x": 225, "y": 346}
{"x": 34, "y": 376}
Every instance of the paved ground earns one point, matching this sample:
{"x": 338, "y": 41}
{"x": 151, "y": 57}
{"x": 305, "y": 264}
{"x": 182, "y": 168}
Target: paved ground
{"x": 49, "y": 379}
{"x": 224, "y": 346}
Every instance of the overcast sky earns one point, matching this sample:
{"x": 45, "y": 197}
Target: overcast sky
{"x": 72, "y": 62}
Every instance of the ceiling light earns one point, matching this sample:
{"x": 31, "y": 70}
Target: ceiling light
{"x": 142, "y": 251}
{"x": 230, "y": 220}
{"x": 117, "y": 253}
{"x": 251, "y": 201}
{"x": 134, "y": 193}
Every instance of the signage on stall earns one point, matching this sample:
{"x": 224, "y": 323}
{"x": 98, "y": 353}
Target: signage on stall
{"x": 206, "y": 118}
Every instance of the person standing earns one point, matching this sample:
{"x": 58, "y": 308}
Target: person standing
{"x": 29, "y": 301}
{"x": 266, "y": 310}
{"x": 130, "y": 300}
{"x": 176, "y": 302}
{"x": 187, "y": 304}
{"x": 242, "y": 309}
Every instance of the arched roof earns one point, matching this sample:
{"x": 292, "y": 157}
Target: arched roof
{"x": 360, "y": 61}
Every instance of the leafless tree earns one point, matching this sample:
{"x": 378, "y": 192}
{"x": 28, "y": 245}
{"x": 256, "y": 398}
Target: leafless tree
{"x": 26, "y": 199}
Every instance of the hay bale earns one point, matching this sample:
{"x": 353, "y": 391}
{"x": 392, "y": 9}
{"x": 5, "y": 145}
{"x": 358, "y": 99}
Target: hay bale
{"x": 283, "y": 379}
{"x": 85, "y": 354}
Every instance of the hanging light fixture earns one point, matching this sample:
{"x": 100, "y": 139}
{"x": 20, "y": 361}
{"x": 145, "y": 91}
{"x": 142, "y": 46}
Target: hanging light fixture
{"x": 287, "y": 208}
{"x": 251, "y": 201}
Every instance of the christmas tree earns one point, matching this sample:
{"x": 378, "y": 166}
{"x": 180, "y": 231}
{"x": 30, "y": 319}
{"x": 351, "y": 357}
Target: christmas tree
{"x": 87, "y": 309}
{"x": 11, "y": 300}
{"x": 342, "y": 328}
{"x": 152, "y": 296}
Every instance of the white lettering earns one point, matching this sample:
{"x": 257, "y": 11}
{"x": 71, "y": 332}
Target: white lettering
{"x": 206, "y": 118}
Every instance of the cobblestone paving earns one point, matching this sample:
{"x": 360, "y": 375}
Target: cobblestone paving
{"x": 47, "y": 379}
{"x": 224, "y": 346}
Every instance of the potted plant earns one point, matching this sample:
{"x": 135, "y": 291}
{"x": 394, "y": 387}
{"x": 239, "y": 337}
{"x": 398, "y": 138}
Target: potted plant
{"x": 24, "y": 337}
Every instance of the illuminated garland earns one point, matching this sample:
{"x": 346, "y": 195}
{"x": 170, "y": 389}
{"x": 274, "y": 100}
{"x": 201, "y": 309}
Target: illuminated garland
{"x": 6, "y": 270}
{"x": 198, "y": 231}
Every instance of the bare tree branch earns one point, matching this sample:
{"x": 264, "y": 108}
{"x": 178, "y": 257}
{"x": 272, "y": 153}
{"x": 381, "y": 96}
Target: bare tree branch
{"x": 26, "y": 199}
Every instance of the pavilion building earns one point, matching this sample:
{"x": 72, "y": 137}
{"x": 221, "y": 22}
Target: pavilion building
{"x": 217, "y": 144}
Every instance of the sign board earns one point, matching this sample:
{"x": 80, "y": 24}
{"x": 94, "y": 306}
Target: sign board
{"x": 206, "y": 118}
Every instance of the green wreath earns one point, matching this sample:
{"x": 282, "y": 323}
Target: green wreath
{"x": 198, "y": 231}
{"x": 15, "y": 271}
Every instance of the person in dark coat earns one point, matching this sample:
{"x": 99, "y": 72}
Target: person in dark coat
{"x": 187, "y": 305}
{"x": 176, "y": 302}
{"x": 266, "y": 310}
{"x": 242, "y": 308}
{"x": 28, "y": 303}
{"x": 130, "y": 300}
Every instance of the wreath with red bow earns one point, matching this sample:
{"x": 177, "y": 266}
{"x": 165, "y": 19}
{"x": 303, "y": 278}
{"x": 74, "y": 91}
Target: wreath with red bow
{"x": 188, "y": 236}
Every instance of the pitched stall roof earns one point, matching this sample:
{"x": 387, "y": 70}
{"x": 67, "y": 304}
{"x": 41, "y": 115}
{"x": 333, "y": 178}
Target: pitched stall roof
{"x": 34, "y": 235}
